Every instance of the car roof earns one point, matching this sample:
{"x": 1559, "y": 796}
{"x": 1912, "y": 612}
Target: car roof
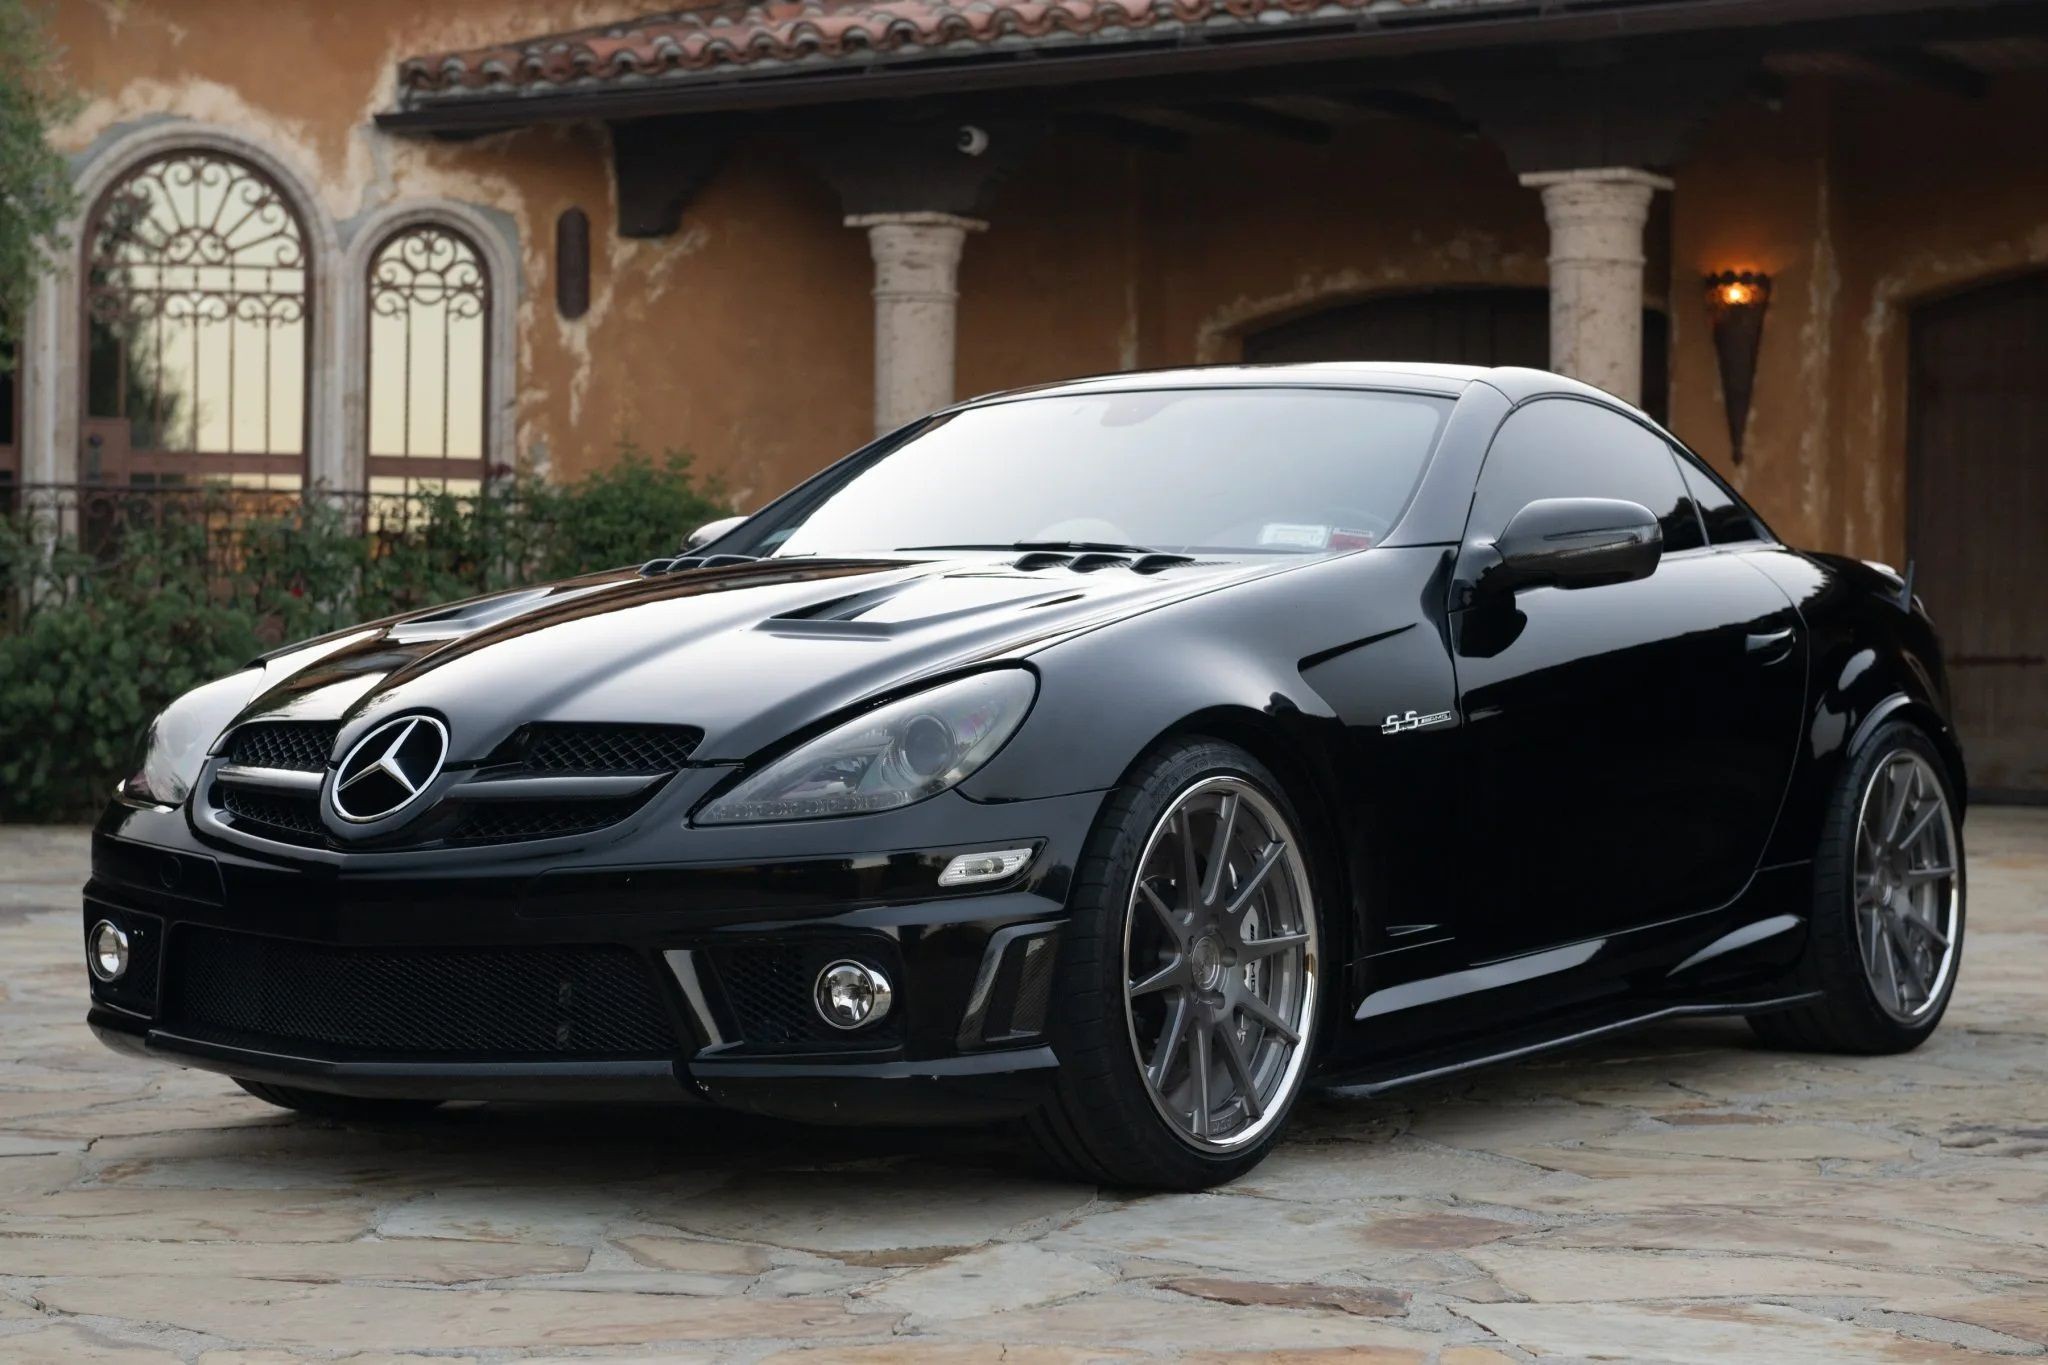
{"x": 1516, "y": 383}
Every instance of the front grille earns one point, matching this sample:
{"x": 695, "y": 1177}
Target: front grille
{"x": 509, "y": 1002}
{"x": 497, "y": 822}
{"x": 299, "y": 746}
{"x": 274, "y": 815}
{"x": 605, "y": 748}
{"x": 768, "y": 991}
{"x": 536, "y": 751}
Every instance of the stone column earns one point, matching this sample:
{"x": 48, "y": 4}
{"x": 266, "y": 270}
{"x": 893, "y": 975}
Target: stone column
{"x": 917, "y": 270}
{"x": 1596, "y": 273}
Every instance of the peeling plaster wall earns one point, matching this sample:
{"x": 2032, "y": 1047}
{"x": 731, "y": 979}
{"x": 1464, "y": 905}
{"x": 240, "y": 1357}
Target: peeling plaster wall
{"x": 1863, "y": 201}
{"x": 695, "y": 342}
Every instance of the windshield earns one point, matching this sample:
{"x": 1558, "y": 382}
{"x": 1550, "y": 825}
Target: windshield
{"x": 1216, "y": 470}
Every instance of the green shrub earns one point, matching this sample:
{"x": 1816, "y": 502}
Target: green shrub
{"x": 96, "y": 637}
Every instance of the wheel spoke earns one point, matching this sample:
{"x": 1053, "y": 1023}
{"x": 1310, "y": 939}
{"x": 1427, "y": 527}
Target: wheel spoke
{"x": 1897, "y": 795}
{"x": 1167, "y": 918}
{"x": 1219, "y": 850}
{"x": 1917, "y": 875}
{"x": 1258, "y": 1009}
{"x": 1190, "y": 871}
{"x": 1911, "y": 834}
{"x": 1169, "y": 1042}
{"x": 1241, "y": 1072}
{"x": 1200, "y": 1063}
{"x": 1248, "y": 889}
{"x": 1174, "y": 973}
{"x": 1259, "y": 949}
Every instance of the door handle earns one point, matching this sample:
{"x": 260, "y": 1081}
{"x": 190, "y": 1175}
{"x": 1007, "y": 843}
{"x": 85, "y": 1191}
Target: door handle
{"x": 1776, "y": 644}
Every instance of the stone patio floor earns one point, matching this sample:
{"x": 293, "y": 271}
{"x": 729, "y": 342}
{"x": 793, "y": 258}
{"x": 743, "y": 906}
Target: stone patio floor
{"x": 1681, "y": 1195}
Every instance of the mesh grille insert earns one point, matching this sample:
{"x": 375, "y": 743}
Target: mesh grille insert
{"x": 768, "y": 987}
{"x": 294, "y": 819}
{"x": 299, "y": 747}
{"x": 574, "y": 1001}
{"x": 504, "y": 821}
{"x": 606, "y": 748}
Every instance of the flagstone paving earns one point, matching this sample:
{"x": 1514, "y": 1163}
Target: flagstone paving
{"x": 1682, "y": 1195}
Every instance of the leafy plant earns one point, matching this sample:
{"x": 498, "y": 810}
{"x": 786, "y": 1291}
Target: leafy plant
{"x": 105, "y": 618}
{"x": 35, "y": 188}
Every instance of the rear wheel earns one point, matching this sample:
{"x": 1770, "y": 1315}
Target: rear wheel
{"x": 1886, "y": 932}
{"x": 1190, "y": 976}
{"x": 347, "y": 1108}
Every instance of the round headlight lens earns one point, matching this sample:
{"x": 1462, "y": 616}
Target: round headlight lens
{"x": 107, "y": 951}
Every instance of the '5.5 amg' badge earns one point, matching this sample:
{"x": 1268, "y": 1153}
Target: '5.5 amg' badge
{"x": 1394, "y": 725}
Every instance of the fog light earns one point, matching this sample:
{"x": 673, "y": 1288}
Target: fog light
{"x": 852, "y": 995}
{"x": 992, "y": 866}
{"x": 107, "y": 951}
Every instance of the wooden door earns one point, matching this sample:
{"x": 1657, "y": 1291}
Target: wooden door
{"x": 1977, "y": 520}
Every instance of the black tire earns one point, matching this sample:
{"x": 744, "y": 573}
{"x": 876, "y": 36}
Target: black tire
{"x": 1102, "y": 1124}
{"x": 1849, "y": 1016}
{"x": 342, "y": 1108}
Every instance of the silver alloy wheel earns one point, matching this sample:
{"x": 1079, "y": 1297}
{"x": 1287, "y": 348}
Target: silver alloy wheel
{"x": 1908, "y": 897}
{"x": 1221, "y": 965}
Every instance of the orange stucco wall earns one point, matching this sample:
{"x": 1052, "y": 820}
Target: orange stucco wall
{"x": 746, "y": 338}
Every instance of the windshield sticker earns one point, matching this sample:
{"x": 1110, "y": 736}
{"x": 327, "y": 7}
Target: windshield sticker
{"x": 1294, "y": 535}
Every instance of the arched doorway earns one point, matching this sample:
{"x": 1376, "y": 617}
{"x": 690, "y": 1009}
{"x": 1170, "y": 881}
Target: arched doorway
{"x": 1977, "y": 401}
{"x": 1480, "y": 326}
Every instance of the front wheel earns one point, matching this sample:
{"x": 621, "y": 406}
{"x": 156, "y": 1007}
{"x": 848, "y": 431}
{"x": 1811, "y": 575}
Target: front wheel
{"x": 1886, "y": 934}
{"x": 1190, "y": 976}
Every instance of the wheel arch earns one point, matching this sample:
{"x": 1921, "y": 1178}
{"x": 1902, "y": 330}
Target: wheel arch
{"x": 1311, "y": 788}
{"x": 1858, "y": 687}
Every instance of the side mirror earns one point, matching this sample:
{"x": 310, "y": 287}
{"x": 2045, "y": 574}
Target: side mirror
{"x": 1574, "y": 543}
{"x": 710, "y": 531}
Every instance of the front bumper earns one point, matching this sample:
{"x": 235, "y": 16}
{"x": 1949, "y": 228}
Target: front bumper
{"x": 658, "y": 966}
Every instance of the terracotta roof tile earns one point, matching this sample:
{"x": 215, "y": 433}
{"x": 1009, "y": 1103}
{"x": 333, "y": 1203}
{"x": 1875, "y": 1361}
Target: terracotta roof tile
{"x": 728, "y": 37}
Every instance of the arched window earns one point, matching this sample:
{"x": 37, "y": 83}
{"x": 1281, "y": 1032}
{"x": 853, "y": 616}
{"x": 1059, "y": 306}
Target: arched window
{"x": 429, "y": 339}
{"x": 197, "y": 316}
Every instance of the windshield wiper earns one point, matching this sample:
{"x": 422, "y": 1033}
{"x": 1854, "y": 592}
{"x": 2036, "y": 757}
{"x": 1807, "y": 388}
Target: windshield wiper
{"x": 1099, "y": 547}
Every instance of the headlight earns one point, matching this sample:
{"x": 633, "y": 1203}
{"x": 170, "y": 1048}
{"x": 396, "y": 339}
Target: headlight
{"x": 175, "y": 749}
{"x": 891, "y": 756}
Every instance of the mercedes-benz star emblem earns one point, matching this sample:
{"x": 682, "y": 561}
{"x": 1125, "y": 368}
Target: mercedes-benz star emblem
{"x": 389, "y": 768}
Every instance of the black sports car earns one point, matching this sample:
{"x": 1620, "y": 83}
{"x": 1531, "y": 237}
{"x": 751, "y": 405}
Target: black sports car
{"x": 1120, "y": 755}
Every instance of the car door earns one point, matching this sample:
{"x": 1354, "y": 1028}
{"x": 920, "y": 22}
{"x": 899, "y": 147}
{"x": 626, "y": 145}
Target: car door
{"x": 1626, "y": 745}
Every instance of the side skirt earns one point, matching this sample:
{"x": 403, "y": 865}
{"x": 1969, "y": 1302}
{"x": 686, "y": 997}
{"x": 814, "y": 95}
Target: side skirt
{"x": 1559, "y": 1034}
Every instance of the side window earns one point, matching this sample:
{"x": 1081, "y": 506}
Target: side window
{"x": 1728, "y": 522}
{"x": 1564, "y": 448}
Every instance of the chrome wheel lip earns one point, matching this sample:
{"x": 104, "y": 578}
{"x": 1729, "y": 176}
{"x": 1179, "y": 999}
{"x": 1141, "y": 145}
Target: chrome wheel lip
{"x": 1274, "y": 1098}
{"x": 1876, "y": 908}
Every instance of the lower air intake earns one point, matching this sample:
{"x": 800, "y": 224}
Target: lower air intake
{"x": 475, "y": 1003}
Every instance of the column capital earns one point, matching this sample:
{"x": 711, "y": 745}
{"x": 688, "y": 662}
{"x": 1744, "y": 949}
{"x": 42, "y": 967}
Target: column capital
{"x": 1602, "y": 175}
{"x": 916, "y": 219}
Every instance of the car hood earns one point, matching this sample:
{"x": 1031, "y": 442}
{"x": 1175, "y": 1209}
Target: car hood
{"x": 747, "y": 653}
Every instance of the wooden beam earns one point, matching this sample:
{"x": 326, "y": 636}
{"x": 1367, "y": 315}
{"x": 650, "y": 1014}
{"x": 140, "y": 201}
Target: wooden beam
{"x": 1931, "y": 69}
{"x": 1128, "y": 132}
{"x": 1257, "y": 118}
{"x": 660, "y": 164}
{"x": 1405, "y": 104}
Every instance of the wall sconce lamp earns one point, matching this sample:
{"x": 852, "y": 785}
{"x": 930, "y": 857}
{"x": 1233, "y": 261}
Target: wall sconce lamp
{"x": 1736, "y": 300}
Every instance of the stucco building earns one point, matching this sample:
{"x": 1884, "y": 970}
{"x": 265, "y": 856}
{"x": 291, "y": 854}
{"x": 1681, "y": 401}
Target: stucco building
{"x": 365, "y": 243}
